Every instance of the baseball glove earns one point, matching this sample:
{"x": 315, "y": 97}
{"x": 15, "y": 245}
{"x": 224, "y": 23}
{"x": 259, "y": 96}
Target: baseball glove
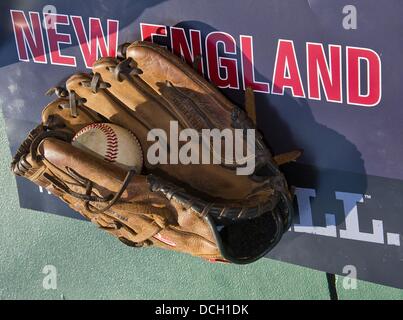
{"x": 206, "y": 210}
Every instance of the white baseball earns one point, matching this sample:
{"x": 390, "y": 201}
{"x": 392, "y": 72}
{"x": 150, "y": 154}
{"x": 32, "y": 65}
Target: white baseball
{"x": 111, "y": 142}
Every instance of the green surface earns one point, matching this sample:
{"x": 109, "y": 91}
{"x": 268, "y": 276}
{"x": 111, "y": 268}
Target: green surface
{"x": 93, "y": 265}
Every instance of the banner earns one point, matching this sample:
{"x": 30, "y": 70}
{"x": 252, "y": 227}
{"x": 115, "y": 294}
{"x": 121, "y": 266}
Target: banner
{"x": 326, "y": 76}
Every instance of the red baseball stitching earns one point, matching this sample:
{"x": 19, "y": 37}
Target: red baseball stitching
{"x": 112, "y": 149}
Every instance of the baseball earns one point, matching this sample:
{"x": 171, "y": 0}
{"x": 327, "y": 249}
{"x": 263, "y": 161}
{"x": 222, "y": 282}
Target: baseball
{"x": 111, "y": 142}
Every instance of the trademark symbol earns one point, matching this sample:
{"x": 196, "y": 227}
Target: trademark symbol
{"x": 367, "y": 196}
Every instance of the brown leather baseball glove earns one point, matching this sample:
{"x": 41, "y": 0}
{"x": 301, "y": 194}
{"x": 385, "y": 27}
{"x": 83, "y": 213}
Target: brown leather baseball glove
{"x": 206, "y": 210}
